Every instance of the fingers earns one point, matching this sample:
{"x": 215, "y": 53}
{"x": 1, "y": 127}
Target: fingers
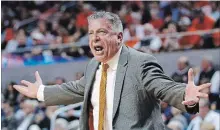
{"x": 27, "y": 83}
{"x": 190, "y": 76}
{"x": 202, "y": 95}
{"x": 203, "y": 86}
{"x": 22, "y": 89}
{"x": 37, "y": 76}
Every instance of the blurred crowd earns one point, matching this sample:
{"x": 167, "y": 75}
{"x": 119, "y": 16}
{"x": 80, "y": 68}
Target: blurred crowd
{"x": 40, "y": 32}
{"x": 22, "y": 113}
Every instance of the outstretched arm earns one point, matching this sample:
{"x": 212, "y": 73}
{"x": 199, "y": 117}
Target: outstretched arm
{"x": 179, "y": 95}
{"x": 29, "y": 89}
{"x": 67, "y": 93}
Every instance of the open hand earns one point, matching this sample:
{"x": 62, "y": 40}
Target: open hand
{"x": 193, "y": 93}
{"x": 29, "y": 89}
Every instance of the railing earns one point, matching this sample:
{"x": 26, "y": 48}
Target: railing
{"x": 77, "y": 44}
{"x": 61, "y": 110}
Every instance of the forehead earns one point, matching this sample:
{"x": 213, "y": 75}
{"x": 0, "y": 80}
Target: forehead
{"x": 96, "y": 24}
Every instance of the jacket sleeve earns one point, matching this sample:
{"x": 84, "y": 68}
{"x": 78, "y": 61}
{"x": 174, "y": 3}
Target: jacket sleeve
{"x": 66, "y": 93}
{"x": 161, "y": 86}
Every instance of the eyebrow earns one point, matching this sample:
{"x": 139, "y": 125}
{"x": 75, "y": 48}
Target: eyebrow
{"x": 98, "y": 30}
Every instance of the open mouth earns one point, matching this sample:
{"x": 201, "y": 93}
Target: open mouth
{"x": 98, "y": 48}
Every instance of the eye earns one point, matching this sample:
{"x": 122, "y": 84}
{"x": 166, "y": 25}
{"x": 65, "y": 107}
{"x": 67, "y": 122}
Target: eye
{"x": 102, "y": 32}
{"x": 90, "y": 33}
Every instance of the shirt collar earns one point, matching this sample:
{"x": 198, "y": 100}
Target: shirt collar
{"x": 113, "y": 62}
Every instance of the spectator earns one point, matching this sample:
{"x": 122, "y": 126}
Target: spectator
{"x": 156, "y": 21}
{"x": 215, "y": 91}
{"x": 8, "y": 121}
{"x": 29, "y": 109}
{"x": 34, "y": 127}
{"x": 61, "y": 124}
{"x": 215, "y": 10}
{"x": 207, "y": 70}
{"x": 166, "y": 111}
{"x": 171, "y": 42}
{"x": 175, "y": 125}
{"x": 19, "y": 41}
{"x": 187, "y": 42}
{"x": 181, "y": 74}
{"x": 215, "y": 88}
{"x": 59, "y": 80}
{"x": 130, "y": 36}
{"x": 41, "y": 120}
{"x": 11, "y": 94}
{"x": 81, "y": 18}
{"x": 205, "y": 114}
{"x": 150, "y": 41}
{"x": 44, "y": 35}
{"x": 216, "y": 35}
{"x": 203, "y": 22}
{"x": 177, "y": 115}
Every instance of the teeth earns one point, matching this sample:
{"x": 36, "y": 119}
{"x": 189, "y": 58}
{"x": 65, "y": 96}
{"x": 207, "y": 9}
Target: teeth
{"x": 98, "y": 48}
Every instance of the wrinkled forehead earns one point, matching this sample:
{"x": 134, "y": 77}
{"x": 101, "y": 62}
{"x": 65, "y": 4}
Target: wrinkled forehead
{"x": 96, "y": 24}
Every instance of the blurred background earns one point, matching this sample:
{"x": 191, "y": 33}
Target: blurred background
{"x": 51, "y": 37}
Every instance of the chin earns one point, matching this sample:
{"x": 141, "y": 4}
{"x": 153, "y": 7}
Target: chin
{"x": 100, "y": 59}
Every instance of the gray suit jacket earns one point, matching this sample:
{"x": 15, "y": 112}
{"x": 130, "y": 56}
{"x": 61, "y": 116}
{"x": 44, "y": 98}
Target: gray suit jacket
{"x": 140, "y": 83}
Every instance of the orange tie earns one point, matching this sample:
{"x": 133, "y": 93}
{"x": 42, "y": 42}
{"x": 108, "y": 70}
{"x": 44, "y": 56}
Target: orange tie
{"x": 102, "y": 96}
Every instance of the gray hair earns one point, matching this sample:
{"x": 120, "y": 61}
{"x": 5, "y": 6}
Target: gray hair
{"x": 111, "y": 17}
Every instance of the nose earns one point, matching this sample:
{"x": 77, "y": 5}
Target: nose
{"x": 95, "y": 38}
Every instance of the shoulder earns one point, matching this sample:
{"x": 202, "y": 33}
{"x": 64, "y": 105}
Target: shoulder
{"x": 141, "y": 56}
{"x": 142, "y": 60}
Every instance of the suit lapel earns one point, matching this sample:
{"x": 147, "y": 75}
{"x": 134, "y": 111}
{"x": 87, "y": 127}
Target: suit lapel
{"x": 91, "y": 74}
{"x": 91, "y": 71}
{"x": 120, "y": 74}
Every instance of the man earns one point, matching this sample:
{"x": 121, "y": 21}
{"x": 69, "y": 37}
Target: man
{"x": 180, "y": 75}
{"x": 206, "y": 115}
{"x": 151, "y": 41}
{"x": 131, "y": 84}
{"x": 207, "y": 70}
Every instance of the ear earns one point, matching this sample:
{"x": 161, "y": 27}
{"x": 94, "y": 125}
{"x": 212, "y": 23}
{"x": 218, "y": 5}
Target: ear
{"x": 119, "y": 37}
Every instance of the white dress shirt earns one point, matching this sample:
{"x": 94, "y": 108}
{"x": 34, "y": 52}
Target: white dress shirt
{"x": 110, "y": 87}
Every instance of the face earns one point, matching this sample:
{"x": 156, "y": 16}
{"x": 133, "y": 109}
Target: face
{"x": 205, "y": 65}
{"x": 104, "y": 42}
{"x": 181, "y": 65}
{"x": 172, "y": 28}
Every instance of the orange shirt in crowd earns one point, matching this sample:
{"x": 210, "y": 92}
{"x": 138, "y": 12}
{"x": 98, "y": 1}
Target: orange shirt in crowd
{"x": 199, "y": 4}
{"x": 9, "y": 34}
{"x": 207, "y": 23}
{"x": 157, "y": 23}
{"x": 132, "y": 42}
{"x": 128, "y": 19}
{"x": 81, "y": 19}
{"x": 190, "y": 40}
{"x": 216, "y": 38}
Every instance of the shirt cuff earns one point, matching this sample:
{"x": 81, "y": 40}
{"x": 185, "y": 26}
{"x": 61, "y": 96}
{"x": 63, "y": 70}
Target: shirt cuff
{"x": 190, "y": 106}
{"x": 40, "y": 93}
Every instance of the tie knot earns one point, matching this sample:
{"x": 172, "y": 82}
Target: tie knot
{"x": 105, "y": 67}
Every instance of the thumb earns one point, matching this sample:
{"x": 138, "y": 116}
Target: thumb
{"x": 38, "y": 78}
{"x": 190, "y": 76}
